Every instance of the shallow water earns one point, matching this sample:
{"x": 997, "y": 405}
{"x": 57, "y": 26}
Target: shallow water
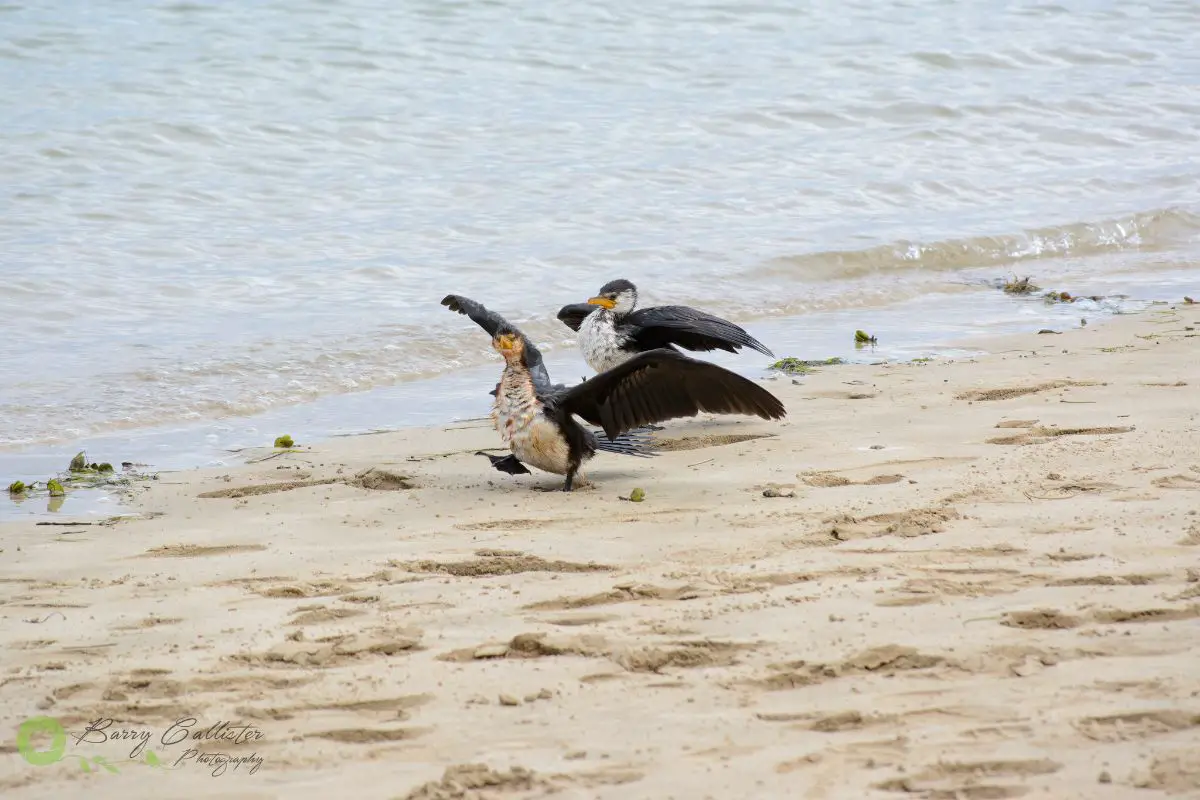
{"x": 212, "y": 211}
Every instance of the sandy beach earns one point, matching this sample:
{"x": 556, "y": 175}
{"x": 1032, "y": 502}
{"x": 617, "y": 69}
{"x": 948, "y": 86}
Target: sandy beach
{"x": 976, "y": 579}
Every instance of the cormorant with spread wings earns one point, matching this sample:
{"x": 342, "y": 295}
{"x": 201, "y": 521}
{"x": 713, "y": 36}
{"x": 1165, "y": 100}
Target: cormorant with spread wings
{"x": 535, "y": 417}
{"x": 613, "y": 330}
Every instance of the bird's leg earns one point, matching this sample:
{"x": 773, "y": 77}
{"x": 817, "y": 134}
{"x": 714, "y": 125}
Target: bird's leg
{"x": 570, "y": 479}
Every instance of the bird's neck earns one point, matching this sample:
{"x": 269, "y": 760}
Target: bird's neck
{"x": 516, "y": 389}
{"x": 516, "y": 371}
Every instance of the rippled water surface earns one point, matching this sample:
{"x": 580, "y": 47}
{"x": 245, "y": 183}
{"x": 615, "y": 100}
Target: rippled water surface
{"x": 217, "y": 209}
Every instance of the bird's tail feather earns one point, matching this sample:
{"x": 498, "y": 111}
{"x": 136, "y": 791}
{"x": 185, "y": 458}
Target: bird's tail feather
{"x": 636, "y": 442}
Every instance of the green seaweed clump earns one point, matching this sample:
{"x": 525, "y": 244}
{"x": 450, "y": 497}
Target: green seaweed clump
{"x": 791, "y": 366}
{"x": 1058, "y": 297}
{"x": 16, "y": 487}
{"x": 637, "y": 495}
{"x": 55, "y": 487}
{"x": 1021, "y": 286}
{"x": 84, "y": 474}
{"x": 922, "y": 360}
{"x": 284, "y": 441}
{"x": 797, "y": 366}
{"x": 862, "y": 337}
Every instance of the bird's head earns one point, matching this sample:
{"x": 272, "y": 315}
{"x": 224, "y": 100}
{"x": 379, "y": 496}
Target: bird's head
{"x": 619, "y": 297}
{"x": 508, "y": 343}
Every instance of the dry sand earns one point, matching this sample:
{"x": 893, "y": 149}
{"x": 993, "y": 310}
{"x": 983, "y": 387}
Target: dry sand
{"x": 985, "y": 585}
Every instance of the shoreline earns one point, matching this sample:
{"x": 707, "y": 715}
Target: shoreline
{"x": 947, "y": 327}
{"x": 979, "y": 578}
{"x": 390, "y": 331}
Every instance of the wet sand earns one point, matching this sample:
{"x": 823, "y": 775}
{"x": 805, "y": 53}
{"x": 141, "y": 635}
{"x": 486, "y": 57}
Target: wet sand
{"x": 971, "y": 579}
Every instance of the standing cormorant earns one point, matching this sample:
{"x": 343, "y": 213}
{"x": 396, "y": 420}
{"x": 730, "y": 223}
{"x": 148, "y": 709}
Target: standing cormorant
{"x": 611, "y": 331}
{"x": 536, "y": 418}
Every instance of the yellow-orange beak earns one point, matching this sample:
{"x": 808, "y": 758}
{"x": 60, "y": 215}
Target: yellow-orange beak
{"x": 603, "y": 302}
{"x": 504, "y": 342}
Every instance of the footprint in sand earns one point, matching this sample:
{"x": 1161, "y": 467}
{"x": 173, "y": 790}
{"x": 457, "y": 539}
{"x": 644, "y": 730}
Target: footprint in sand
{"x": 1046, "y": 619}
{"x": 1112, "y": 580}
{"x": 970, "y": 779}
{"x": 510, "y": 563}
{"x": 372, "y": 478}
{"x": 631, "y": 657}
{"x": 720, "y": 585}
{"x": 1118, "y": 615}
{"x": 626, "y": 593}
{"x": 1040, "y": 434}
{"x": 886, "y": 660}
{"x": 1177, "y": 482}
{"x": 922, "y": 591}
{"x": 1052, "y": 619}
{"x": 1176, "y": 772}
{"x": 582, "y": 620}
{"x": 310, "y": 589}
{"x": 335, "y": 650}
{"x": 914, "y": 522}
{"x": 714, "y": 440}
{"x": 824, "y": 480}
{"x": 512, "y": 524}
{"x": 1008, "y": 393}
{"x": 517, "y": 781}
{"x": 307, "y": 615}
{"x": 149, "y": 622}
{"x": 829, "y": 723}
{"x": 1137, "y": 725}
{"x": 197, "y": 551}
{"x": 1061, "y": 488}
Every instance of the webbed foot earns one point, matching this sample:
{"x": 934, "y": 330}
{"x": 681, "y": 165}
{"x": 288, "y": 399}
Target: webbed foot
{"x": 508, "y": 464}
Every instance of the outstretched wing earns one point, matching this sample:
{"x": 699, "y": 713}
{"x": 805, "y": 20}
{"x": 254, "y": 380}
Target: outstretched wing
{"x": 662, "y": 384}
{"x": 573, "y": 315}
{"x": 491, "y": 322}
{"x": 689, "y": 328}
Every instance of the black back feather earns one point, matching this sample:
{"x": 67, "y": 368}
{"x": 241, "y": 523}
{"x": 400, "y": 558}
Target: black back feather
{"x": 664, "y": 326}
{"x": 659, "y": 385}
{"x": 689, "y": 328}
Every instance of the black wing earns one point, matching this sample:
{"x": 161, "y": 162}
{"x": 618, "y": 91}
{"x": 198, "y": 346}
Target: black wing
{"x": 573, "y": 315}
{"x": 491, "y": 322}
{"x": 659, "y": 385}
{"x": 689, "y": 328}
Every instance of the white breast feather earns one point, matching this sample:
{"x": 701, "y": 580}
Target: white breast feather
{"x": 533, "y": 438}
{"x": 600, "y": 343}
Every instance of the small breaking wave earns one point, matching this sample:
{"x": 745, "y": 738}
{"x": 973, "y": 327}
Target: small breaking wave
{"x": 1150, "y": 230}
